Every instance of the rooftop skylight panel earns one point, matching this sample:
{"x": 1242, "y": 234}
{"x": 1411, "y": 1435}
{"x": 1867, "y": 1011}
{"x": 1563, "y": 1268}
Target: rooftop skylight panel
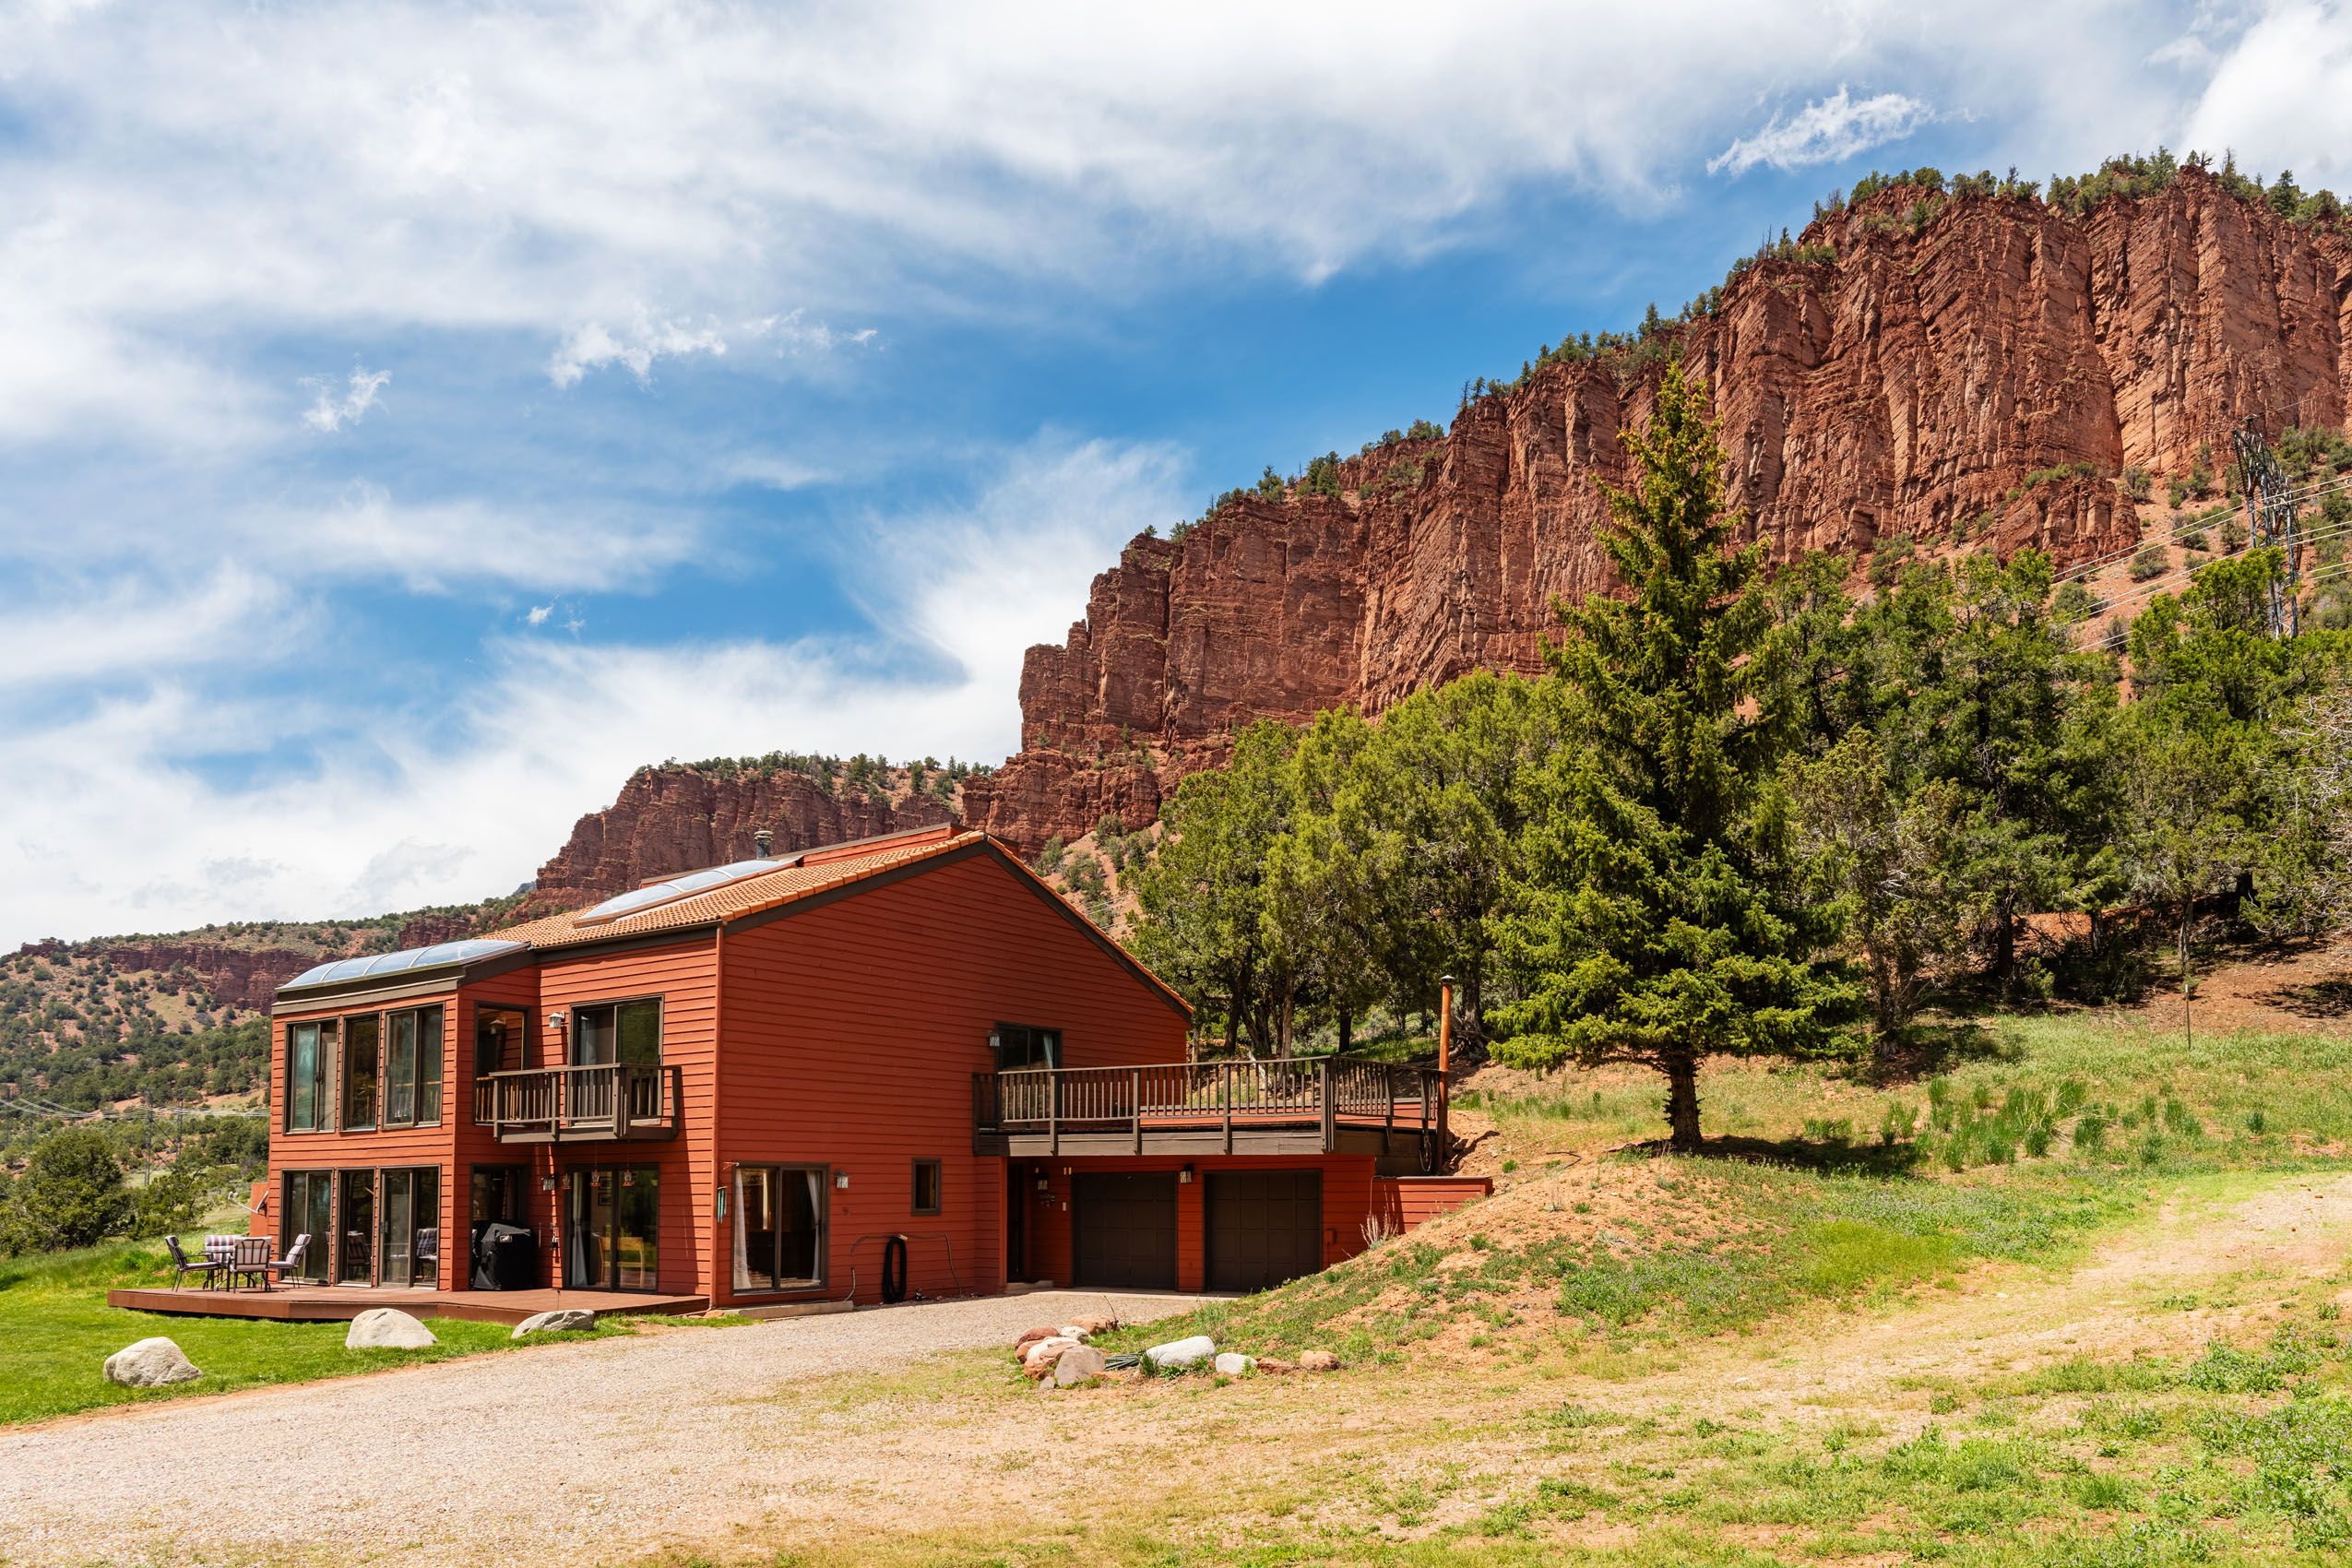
{"x": 638, "y": 899}
{"x": 464, "y": 951}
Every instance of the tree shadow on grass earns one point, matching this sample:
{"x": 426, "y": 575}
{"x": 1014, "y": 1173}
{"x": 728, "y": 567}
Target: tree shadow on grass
{"x": 2328, "y": 998}
{"x": 1827, "y": 1156}
{"x": 1927, "y": 1047}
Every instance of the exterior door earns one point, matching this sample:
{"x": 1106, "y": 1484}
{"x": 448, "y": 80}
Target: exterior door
{"x": 1123, "y": 1231}
{"x": 1263, "y": 1226}
{"x": 355, "y": 1237}
{"x": 309, "y": 1211}
{"x": 611, "y": 1239}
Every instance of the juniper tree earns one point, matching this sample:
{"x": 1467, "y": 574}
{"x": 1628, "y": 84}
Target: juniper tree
{"x": 1659, "y": 916}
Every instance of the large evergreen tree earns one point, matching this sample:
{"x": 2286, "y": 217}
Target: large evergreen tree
{"x": 1660, "y": 915}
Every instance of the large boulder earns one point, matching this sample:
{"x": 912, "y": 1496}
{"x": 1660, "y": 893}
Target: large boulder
{"x": 1178, "y": 1354}
{"x": 387, "y": 1328}
{"x": 1080, "y": 1363}
{"x": 1232, "y": 1363}
{"x": 563, "y": 1320}
{"x": 151, "y": 1364}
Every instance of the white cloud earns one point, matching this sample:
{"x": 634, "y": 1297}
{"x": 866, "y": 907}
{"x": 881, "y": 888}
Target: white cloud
{"x": 444, "y": 807}
{"x": 611, "y": 185}
{"x": 636, "y": 346}
{"x": 81, "y": 632}
{"x": 1835, "y": 129}
{"x": 538, "y": 615}
{"x": 331, "y": 410}
{"x": 2282, "y": 96}
{"x": 434, "y": 546}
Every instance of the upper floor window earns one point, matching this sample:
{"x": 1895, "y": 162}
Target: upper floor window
{"x": 412, "y": 1069}
{"x": 606, "y": 1032}
{"x": 499, "y": 1033}
{"x": 1026, "y": 1045}
{"x": 361, "y": 1039}
{"x": 310, "y": 1099}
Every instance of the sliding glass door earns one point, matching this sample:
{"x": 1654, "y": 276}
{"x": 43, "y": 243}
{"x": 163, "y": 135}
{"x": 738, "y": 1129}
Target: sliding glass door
{"x": 611, "y": 1230}
{"x": 309, "y": 1211}
{"x": 411, "y": 1227}
{"x": 355, "y": 1244}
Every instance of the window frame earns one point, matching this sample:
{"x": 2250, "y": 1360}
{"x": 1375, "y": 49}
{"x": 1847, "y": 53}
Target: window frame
{"x": 417, "y": 1080}
{"x": 325, "y": 1082}
{"x": 938, "y": 1169}
{"x": 998, "y": 1034}
{"x": 740, "y": 1282}
{"x": 613, "y": 1005}
{"x": 343, "y": 1074}
{"x": 522, "y": 1037}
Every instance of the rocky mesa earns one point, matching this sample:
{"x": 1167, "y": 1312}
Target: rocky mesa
{"x": 1922, "y": 370}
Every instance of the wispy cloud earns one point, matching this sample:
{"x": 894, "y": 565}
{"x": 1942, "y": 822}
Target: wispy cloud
{"x": 331, "y": 410}
{"x": 1827, "y": 131}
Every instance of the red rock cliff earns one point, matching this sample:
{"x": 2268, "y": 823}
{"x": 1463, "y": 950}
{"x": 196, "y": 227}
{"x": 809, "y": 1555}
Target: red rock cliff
{"x": 1911, "y": 386}
{"x": 672, "y": 819}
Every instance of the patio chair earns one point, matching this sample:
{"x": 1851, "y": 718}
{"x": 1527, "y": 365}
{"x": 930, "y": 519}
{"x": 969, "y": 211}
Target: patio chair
{"x": 183, "y": 1265}
{"x": 251, "y": 1261}
{"x": 426, "y": 1257}
{"x": 291, "y": 1262}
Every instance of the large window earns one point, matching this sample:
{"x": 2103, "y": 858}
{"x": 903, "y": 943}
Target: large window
{"x": 360, "y": 1062}
{"x": 412, "y": 1209}
{"x": 603, "y": 1033}
{"x": 1026, "y": 1045}
{"x": 309, "y": 1211}
{"x": 780, "y": 1227}
{"x": 412, "y": 1069}
{"x": 611, "y": 1238}
{"x": 498, "y": 1040}
{"x": 310, "y": 1096}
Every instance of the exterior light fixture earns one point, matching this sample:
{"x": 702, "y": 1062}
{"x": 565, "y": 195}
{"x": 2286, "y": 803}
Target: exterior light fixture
{"x": 841, "y": 1180}
{"x": 547, "y": 1182}
{"x": 555, "y": 1019}
{"x": 1185, "y": 1176}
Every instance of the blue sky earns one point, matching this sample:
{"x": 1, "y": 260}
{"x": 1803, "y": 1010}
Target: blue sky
{"x": 414, "y": 417}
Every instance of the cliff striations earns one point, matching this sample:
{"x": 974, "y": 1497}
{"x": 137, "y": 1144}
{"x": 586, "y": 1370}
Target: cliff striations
{"x": 1985, "y": 371}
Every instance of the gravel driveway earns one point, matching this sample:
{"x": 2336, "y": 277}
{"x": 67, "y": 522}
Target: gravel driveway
{"x": 590, "y": 1450}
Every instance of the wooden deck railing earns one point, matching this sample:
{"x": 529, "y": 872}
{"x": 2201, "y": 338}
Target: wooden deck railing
{"x": 1328, "y": 1092}
{"x": 614, "y": 1099}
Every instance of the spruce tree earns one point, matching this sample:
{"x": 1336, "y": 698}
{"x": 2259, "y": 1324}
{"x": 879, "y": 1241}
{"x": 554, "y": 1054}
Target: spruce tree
{"x": 1660, "y": 916}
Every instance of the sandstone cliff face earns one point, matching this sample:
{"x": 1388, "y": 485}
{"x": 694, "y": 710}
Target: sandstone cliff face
{"x": 245, "y": 977}
{"x": 669, "y": 820}
{"x": 1910, "y": 388}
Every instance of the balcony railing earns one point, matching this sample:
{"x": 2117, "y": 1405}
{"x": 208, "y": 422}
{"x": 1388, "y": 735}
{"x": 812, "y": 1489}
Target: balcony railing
{"x": 1328, "y": 1102}
{"x": 610, "y": 1101}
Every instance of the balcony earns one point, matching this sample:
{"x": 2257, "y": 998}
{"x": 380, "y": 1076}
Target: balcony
{"x": 1323, "y": 1105}
{"x": 612, "y": 1102}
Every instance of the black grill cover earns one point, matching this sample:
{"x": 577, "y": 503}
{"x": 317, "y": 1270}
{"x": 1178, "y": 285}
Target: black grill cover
{"x": 505, "y": 1258}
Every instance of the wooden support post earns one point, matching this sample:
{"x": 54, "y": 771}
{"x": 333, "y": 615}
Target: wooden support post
{"x": 1052, "y": 1111}
{"x": 1330, "y": 1107}
{"x": 1388, "y": 1105}
{"x": 1224, "y": 1091}
{"x": 1444, "y": 1067}
{"x": 1136, "y": 1106}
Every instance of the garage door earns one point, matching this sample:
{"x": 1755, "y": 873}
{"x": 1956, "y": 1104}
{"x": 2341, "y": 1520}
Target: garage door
{"x": 1125, "y": 1228}
{"x": 1263, "y": 1226}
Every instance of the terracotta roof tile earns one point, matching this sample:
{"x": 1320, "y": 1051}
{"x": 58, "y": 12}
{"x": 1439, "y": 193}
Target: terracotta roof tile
{"x": 747, "y": 895}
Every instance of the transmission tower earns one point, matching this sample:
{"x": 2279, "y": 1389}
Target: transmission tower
{"x": 2270, "y": 520}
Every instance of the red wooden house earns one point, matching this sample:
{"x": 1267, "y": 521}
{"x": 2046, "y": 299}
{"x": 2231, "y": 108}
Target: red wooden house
{"x": 735, "y": 1087}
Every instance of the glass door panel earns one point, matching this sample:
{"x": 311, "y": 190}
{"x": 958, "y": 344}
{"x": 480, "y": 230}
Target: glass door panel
{"x": 637, "y": 1222}
{"x": 611, "y": 1228}
{"x": 356, "y": 1245}
{"x": 309, "y": 1211}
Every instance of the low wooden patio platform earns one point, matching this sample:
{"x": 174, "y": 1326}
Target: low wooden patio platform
{"x": 340, "y": 1303}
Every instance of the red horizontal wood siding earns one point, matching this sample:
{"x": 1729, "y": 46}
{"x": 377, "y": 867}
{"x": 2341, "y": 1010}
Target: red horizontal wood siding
{"x": 1405, "y": 1202}
{"x": 1348, "y": 1184}
{"x": 851, "y": 1033}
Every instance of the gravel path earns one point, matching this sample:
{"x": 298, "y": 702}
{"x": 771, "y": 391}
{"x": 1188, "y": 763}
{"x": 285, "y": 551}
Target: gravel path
{"x": 566, "y": 1452}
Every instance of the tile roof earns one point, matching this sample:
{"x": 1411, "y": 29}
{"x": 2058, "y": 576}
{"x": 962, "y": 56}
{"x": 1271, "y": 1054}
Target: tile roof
{"x": 794, "y": 879}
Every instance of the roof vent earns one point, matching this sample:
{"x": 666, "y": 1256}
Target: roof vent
{"x": 765, "y": 841}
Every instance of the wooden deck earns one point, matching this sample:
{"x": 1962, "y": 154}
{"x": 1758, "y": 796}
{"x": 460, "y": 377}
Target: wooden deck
{"x": 340, "y": 1303}
{"x": 1327, "y": 1105}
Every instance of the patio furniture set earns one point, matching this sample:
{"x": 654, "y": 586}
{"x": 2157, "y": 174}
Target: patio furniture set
{"x": 233, "y": 1262}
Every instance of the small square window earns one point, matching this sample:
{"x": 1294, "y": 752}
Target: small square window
{"x": 926, "y": 1186}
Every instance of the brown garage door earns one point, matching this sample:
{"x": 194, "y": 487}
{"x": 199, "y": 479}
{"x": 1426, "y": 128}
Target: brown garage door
{"x": 1125, "y": 1230}
{"x": 1263, "y": 1226}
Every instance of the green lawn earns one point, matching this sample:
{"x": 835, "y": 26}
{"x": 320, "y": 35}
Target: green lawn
{"x": 56, "y": 1332}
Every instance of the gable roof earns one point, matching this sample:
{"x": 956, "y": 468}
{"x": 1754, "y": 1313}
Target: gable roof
{"x": 805, "y": 880}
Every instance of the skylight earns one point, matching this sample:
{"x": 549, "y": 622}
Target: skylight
{"x": 367, "y": 966}
{"x": 641, "y": 898}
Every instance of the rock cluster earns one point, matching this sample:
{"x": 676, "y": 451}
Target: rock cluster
{"x": 1061, "y": 1358}
{"x": 1910, "y": 388}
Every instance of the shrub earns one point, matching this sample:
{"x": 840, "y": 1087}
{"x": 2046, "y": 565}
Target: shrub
{"x": 2195, "y": 539}
{"x": 2138, "y": 484}
{"x": 70, "y": 1195}
{"x": 2148, "y": 563}
{"x": 1322, "y": 476}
